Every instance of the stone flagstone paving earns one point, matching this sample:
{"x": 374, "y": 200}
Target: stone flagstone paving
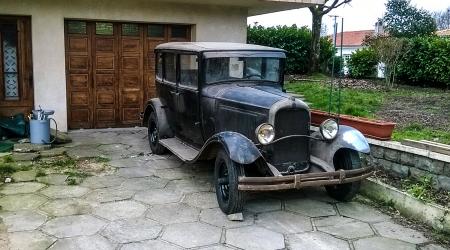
{"x": 157, "y": 202}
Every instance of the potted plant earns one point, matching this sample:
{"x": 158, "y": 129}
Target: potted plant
{"x": 375, "y": 129}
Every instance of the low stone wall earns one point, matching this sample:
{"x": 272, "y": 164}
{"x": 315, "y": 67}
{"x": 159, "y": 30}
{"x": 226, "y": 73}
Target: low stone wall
{"x": 405, "y": 161}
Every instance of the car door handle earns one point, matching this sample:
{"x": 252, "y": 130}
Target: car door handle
{"x": 174, "y": 93}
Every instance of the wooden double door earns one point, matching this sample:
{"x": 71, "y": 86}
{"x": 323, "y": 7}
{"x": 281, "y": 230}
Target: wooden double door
{"x": 110, "y": 70}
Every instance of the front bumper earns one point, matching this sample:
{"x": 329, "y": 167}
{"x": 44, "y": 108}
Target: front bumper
{"x": 298, "y": 181}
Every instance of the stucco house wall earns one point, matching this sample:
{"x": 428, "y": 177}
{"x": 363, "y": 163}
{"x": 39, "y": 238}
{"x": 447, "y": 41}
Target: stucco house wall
{"x": 210, "y": 23}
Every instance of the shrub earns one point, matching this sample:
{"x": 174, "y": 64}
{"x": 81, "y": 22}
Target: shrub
{"x": 337, "y": 65}
{"x": 363, "y": 63}
{"x": 296, "y": 41}
{"x": 426, "y": 60}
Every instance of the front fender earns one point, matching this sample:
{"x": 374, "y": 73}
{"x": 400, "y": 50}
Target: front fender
{"x": 348, "y": 138}
{"x": 240, "y": 149}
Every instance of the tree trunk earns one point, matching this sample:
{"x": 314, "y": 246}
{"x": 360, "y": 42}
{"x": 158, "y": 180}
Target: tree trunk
{"x": 315, "y": 43}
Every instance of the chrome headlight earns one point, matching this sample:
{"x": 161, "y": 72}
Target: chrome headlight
{"x": 329, "y": 129}
{"x": 265, "y": 133}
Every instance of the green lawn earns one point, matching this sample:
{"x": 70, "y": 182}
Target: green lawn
{"x": 367, "y": 103}
{"x": 419, "y": 132}
{"x": 353, "y": 102}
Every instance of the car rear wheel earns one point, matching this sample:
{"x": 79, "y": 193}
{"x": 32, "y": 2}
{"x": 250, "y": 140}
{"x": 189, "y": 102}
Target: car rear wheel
{"x": 226, "y": 175}
{"x": 347, "y": 160}
{"x": 153, "y": 135}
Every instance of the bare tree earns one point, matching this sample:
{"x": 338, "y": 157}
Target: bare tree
{"x": 318, "y": 12}
{"x": 388, "y": 50}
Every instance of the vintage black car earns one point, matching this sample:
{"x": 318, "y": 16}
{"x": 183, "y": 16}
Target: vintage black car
{"x": 226, "y": 102}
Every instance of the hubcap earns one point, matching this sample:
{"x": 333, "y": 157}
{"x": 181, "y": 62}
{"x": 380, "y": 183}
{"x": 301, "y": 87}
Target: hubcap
{"x": 153, "y": 134}
{"x": 223, "y": 181}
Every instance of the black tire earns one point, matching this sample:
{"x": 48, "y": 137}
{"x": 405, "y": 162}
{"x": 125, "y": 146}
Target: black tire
{"x": 226, "y": 174}
{"x": 153, "y": 135}
{"x": 347, "y": 160}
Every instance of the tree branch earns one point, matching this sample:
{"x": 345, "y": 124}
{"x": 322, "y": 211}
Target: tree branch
{"x": 334, "y": 5}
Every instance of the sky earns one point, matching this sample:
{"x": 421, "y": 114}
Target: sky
{"x": 358, "y": 15}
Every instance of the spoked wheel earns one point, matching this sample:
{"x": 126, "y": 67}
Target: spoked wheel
{"x": 346, "y": 160}
{"x": 153, "y": 135}
{"x": 226, "y": 174}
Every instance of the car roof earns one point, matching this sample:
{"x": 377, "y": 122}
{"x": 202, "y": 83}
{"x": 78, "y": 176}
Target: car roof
{"x": 214, "y": 46}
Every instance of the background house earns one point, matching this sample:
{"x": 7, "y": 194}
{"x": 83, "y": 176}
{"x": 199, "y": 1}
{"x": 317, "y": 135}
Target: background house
{"x": 443, "y": 33}
{"x": 354, "y": 40}
{"x": 92, "y": 61}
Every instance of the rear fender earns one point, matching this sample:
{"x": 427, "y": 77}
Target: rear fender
{"x": 155, "y": 105}
{"x": 347, "y": 138}
{"x": 239, "y": 148}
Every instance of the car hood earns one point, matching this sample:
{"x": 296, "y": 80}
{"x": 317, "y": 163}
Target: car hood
{"x": 262, "y": 96}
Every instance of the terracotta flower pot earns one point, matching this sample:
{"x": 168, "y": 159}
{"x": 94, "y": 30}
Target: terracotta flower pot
{"x": 375, "y": 129}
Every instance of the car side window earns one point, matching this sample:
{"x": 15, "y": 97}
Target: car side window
{"x": 272, "y": 69}
{"x": 170, "y": 67}
{"x": 188, "y": 71}
{"x": 159, "y": 63}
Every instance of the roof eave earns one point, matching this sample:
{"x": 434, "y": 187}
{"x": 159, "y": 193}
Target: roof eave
{"x": 270, "y": 6}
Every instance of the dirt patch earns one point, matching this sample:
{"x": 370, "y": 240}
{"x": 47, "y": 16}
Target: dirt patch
{"x": 93, "y": 167}
{"x": 77, "y": 170}
{"x": 406, "y": 105}
{"x": 361, "y": 84}
{"x": 429, "y": 110}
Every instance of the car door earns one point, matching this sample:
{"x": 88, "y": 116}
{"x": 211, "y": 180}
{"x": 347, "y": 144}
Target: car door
{"x": 166, "y": 76}
{"x": 188, "y": 108}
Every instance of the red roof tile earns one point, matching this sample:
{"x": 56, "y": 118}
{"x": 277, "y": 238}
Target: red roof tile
{"x": 352, "y": 38}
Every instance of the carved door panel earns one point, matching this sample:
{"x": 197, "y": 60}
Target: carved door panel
{"x": 131, "y": 89}
{"x": 111, "y": 70}
{"x": 78, "y": 75}
{"x": 105, "y": 75}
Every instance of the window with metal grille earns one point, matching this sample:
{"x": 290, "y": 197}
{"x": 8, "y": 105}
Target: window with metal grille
{"x": 104, "y": 29}
{"x": 130, "y": 29}
{"x": 9, "y": 62}
{"x": 76, "y": 27}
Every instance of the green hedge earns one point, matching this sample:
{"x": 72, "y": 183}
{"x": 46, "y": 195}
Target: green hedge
{"x": 426, "y": 61}
{"x": 337, "y": 65}
{"x": 363, "y": 63}
{"x": 296, "y": 41}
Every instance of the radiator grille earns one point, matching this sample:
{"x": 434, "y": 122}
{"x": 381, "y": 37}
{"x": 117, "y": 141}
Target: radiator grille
{"x": 292, "y": 151}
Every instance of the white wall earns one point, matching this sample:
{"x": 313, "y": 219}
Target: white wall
{"x": 212, "y": 23}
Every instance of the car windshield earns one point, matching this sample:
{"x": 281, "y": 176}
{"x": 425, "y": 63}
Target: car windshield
{"x": 222, "y": 69}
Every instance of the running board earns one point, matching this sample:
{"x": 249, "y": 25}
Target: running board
{"x": 180, "y": 149}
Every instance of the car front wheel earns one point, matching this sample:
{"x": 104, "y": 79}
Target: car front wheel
{"x": 226, "y": 175}
{"x": 153, "y": 135}
{"x": 346, "y": 160}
